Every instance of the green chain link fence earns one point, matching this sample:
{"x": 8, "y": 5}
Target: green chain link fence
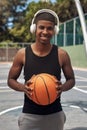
{"x": 70, "y": 33}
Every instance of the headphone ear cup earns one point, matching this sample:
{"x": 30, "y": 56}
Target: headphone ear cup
{"x": 33, "y": 28}
{"x": 56, "y": 29}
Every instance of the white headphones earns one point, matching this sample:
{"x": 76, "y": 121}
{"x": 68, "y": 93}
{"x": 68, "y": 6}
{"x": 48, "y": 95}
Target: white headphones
{"x": 33, "y": 25}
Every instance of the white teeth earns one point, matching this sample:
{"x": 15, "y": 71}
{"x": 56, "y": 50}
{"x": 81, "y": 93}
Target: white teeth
{"x": 44, "y": 37}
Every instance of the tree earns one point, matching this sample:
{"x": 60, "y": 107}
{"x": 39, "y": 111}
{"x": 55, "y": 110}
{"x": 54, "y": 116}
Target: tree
{"x": 17, "y": 9}
{"x": 4, "y": 13}
{"x": 65, "y": 9}
{"x": 21, "y": 14}
{"x": 11, "y": 12}
{"x": 84, "y": 5}
{"x": 23, "y": 32}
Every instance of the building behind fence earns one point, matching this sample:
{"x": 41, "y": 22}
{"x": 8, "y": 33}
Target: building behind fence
{"x": 70, "y": 34}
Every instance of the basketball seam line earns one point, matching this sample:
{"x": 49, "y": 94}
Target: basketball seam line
{"x": 35, "y": 91}
{"x": 46, "y": 90}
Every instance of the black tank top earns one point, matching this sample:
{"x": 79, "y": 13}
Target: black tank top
{"x": 35, "y": 65}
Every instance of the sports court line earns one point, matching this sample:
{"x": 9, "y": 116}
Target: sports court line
{"x": 81, "y": 90}
{"x": 10, "y": 109}
{"x": 18, "y": 107}
{"x": 74, "y": 106}
{"x": 5, "y": 81}
{"x": 3, "y": 89}
{"x": 83, "y": 78}
{"x": 63, "y": 79}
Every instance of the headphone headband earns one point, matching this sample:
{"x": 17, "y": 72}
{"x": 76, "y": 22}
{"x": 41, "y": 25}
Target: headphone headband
{"x": 43, "y": 11}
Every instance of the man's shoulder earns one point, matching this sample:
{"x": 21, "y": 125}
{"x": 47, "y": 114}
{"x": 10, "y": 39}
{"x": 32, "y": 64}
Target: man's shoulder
{"x": 22, "y": 50}
{"x": 62, "y": 50}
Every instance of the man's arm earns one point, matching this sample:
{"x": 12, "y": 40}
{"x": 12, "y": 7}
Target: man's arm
{"x": 67, "y": 70}
{"x": 15, "y": 71}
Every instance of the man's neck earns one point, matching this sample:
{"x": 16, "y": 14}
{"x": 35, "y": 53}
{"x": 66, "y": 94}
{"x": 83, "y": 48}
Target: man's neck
{"x": 41, "y": 50}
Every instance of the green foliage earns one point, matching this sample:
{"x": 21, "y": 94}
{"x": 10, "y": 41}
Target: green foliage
{"x": 23, "y": 32}
{"x": 10, "y": 11}
{"x": 65, "y": 9}
{"x": 8, "y": 43}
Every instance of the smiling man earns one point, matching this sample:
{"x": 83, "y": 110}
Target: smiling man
{"x": 42, "y": 57}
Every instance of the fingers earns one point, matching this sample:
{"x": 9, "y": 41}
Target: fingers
{"x": 57, "y": 81}
{"x": 29, "y": 82}
{"x": 59, "y": 90}
{"x": 28, "y": 91}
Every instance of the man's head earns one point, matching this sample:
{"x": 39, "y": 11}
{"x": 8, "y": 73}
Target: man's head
{"x": 45, "y": 14}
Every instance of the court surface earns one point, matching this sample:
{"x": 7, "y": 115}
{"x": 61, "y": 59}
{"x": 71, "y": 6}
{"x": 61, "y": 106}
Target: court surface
{"x": 74, "y": 102}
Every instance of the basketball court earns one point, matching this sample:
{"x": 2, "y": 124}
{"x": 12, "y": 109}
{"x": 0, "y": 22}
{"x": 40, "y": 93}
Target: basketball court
{"x": 74, "y": 102}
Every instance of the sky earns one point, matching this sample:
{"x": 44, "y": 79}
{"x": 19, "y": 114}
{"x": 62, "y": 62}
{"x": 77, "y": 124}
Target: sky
{"x": 39, "y": 0}
{"x": 10, "y": 24}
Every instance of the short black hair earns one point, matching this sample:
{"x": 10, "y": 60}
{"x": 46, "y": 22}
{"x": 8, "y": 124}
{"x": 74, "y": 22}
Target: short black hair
{"x": 46, "y": 16}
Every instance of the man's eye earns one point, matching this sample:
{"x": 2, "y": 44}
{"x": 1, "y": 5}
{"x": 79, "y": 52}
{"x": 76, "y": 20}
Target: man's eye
{"x": 50, "y": 28}
{"x": 41, "y": 27}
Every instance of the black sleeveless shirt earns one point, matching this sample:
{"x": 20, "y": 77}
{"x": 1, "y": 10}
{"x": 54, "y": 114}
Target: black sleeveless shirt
{"x": 35, "y": 65}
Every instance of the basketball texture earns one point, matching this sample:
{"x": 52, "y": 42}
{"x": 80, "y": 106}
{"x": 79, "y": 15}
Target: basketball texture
{"x": 44, "y": 88}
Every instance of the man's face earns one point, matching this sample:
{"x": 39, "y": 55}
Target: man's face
{"x": 44, "y": 31}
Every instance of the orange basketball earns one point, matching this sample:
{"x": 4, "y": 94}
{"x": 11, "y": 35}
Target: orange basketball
{"x": 44, "y": 88}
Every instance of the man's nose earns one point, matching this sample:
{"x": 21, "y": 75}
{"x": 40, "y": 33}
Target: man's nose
{"x": 45, "y": 31}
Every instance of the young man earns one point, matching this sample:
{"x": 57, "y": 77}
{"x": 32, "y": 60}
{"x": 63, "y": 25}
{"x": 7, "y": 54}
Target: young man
{"x": 42, "y": 57}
